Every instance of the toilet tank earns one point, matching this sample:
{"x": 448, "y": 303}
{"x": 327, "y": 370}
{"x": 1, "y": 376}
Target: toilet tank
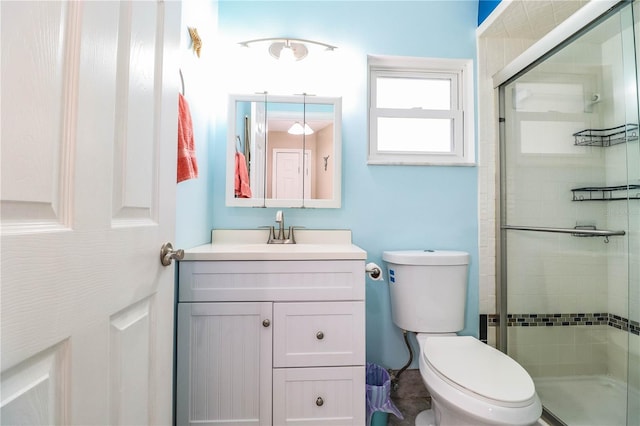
{"x": 428, "y": 289}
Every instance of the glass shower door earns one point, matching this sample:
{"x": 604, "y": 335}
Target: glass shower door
{"x": 568, "y": 169}
{"x": 633, "y": 167}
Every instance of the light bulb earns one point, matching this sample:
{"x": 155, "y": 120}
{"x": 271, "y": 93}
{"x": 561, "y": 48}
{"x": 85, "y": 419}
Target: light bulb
{"x": 307, "y": 130}
{"x": 287, "y": 55}
{"x": 297, "y": 129}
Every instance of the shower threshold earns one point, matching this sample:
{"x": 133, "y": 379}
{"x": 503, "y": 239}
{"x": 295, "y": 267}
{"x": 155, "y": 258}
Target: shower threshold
{"x": 585, "y": 400}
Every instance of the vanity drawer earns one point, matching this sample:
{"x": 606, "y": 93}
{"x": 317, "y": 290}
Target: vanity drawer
{"x": 221, "y": 281}
{"x": 309, "y": 334}
{"x": 319, "y": 396}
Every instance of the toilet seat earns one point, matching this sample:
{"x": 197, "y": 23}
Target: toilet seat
{"x": 478, "y": 369}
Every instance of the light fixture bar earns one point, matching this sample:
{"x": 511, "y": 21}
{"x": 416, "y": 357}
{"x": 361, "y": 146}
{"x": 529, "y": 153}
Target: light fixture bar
{"x": 286, "y": 41}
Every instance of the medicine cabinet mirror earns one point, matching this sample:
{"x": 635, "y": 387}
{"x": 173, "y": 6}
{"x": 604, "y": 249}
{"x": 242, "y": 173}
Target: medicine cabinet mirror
{"x": 284, "y": 151}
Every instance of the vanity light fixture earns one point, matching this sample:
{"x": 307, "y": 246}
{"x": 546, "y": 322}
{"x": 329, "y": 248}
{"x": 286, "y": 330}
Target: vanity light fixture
{"x": 293, "y": 49}
{"x": 297, "y": 129}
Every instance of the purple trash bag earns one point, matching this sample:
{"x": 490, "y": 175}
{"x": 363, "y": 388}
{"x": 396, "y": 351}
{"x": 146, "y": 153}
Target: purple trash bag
{"x": 379, "y": 392}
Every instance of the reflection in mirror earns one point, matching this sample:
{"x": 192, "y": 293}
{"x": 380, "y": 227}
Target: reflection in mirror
{"x": 283, "y": 151}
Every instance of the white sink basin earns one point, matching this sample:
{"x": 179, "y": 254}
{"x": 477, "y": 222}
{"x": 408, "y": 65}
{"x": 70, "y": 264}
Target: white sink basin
{"x": 250, "y": 244}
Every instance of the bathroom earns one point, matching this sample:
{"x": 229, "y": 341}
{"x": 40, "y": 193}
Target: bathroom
{"x": 465, "y": 221}
{"x": 386, "y": 207}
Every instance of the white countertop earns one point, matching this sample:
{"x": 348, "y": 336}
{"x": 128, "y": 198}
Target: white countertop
{"x": 250, "y": 244}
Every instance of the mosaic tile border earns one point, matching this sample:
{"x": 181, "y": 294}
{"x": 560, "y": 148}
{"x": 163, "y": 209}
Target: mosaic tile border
{"x": 563, "y": 320}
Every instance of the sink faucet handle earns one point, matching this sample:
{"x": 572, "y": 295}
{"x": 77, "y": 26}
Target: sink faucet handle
{"x": 279, "y": 216}
{"x": 292, "y": 237}
{"x": 272, "y": 232}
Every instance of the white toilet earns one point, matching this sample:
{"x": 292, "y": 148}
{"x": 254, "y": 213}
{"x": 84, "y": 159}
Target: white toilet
{"x": 470, "y": 383}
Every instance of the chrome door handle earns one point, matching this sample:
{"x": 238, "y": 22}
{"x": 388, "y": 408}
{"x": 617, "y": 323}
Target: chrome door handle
{"x": 167, "y": 254}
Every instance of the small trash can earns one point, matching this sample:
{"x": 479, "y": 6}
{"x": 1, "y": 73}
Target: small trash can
{"x": 379, "y": 402}
{"x": 379, "y": 418}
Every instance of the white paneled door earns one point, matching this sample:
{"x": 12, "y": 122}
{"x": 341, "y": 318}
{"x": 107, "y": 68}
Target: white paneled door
{"x": 88, "y": 160}
{"x": 288, "y": 169}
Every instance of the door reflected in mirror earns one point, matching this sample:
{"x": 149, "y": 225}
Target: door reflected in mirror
{"x": 284, "y": 151}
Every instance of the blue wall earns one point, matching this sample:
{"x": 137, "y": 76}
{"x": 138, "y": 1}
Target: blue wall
{"x": 194, "y": 217}
{"x": 485, "y": 7}
{"x": 386, "y": 207}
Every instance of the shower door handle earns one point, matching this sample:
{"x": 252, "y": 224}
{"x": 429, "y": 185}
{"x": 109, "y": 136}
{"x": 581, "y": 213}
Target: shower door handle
{"x": 572, "y": 231}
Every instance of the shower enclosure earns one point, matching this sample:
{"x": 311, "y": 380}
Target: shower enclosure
{"x": 570, "y": 223}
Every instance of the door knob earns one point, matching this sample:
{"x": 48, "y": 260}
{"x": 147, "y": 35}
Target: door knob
{"x": 167, "y": 254}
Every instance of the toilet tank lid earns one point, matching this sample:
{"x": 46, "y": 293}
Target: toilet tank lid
{"x": 426, "y": 257}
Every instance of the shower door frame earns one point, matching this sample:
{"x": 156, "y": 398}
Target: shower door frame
{"x": 593, "y": 13}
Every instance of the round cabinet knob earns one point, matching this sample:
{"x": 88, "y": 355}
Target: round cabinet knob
{"x": 319, "y": 335}
{"x": 319, "y": 401}
{"x": 266, "y": 323}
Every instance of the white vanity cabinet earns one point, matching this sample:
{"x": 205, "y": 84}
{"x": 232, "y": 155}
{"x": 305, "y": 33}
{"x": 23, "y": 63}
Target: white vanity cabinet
{"x": 271, "y": 342}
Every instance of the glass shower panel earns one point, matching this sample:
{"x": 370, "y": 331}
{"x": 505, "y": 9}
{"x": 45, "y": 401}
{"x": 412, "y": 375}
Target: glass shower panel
{"x": 569, "y": 141}
{"x": 633, "y": 162}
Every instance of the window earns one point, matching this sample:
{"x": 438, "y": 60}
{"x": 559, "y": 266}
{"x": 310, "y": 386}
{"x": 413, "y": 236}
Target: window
{"x": 420, "y": 111}
{"x": 546, "y": 111}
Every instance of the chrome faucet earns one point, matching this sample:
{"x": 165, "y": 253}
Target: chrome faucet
{"x": 281, "y": 238}
{"x": 280, "y": 222}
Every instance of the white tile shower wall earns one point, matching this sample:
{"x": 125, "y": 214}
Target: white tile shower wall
{"x": 618, "y": 353}
{"x": 551, "y": 273}
{"x": 500, "y": 40}
{"x": 545, "y": 280}
{"x": 560, "y": 351}
{"x": 634, "y": 368}
{"x": 634, "y": 255}
{"x": 615, "y": 113}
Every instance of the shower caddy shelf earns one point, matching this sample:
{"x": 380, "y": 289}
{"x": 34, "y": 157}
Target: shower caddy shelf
{"x": 606, "y": 193}
{"x": 606, "y": 137}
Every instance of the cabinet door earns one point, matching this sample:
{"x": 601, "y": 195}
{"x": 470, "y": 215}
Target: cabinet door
{"x": 328, "y": 396}
{"x": 224, "y": 364}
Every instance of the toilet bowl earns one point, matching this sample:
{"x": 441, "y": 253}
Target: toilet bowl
{"x": 473, "y": 384}
{"x": 470, "y": 383}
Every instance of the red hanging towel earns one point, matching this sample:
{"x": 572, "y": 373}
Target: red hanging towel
{"x": 187, "y": 164}
{"x": 242, "y": 188}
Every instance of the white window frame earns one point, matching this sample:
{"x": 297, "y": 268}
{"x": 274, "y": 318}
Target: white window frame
{"x": 460, "y": 73}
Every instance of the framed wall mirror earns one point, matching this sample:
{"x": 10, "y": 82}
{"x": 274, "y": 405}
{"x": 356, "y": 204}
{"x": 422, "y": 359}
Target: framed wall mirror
{"x": 284, "y": 151}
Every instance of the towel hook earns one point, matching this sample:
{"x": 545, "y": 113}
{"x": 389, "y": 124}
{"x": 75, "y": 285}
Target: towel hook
{"x": 181, "y": 80}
